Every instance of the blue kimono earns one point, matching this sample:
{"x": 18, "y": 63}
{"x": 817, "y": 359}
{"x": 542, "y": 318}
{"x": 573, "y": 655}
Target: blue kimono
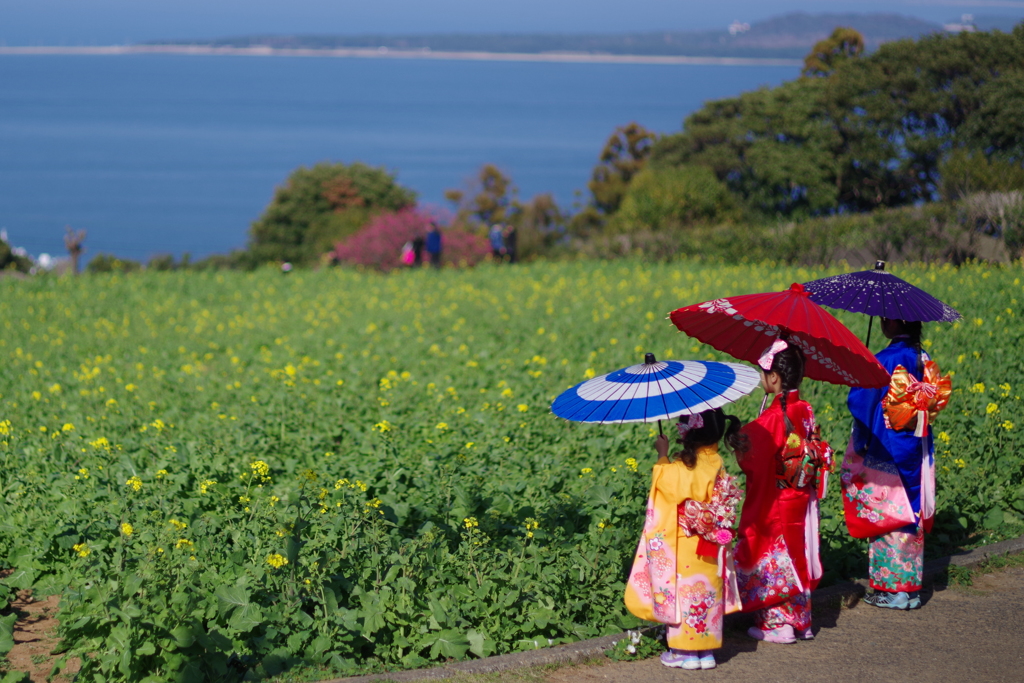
{"x": 883, "y": 448}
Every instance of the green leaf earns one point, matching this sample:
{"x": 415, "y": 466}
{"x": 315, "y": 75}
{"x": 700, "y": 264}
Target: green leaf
{"x": 449, "y": 643}
{"x": 231, "y": 597}
{"x": 7, "y": 632}
{"x": 246, "y": 617}
{"x": 147, "y": 648}
{"x": 183, "y": 635}
{"x": 21, "y": 578}
{"x": 994, "y": 519}
{"x": 479, "y": 643}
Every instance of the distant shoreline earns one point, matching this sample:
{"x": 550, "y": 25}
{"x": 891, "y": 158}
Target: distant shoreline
{"x": 391, "y": 53}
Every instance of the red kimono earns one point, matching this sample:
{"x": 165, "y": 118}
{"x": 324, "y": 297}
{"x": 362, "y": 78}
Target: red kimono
{"x": 777, "y": 550}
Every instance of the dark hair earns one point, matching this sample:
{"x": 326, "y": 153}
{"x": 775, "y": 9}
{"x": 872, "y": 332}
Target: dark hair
{"x": 716, "y": 425}
{"x": 912, "y": 328}
{"x": 789, "y": 364}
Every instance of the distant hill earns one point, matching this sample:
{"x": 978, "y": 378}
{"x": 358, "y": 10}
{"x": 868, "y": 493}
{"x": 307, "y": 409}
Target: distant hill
{"x": 788, "y": 36}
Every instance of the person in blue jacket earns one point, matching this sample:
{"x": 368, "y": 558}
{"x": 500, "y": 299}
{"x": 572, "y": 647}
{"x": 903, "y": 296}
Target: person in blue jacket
{"x": 896, "y": 558}
{"x": 434, "y": 245}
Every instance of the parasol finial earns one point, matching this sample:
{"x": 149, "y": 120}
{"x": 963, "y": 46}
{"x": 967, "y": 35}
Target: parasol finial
{"x": 879, "y": 265}
{"x": 649, "y": 359}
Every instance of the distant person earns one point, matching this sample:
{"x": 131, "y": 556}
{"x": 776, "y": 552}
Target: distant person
{"x": 408, "y": 256}
{"x": 434, "y": 245}
{"x": 497, "y": 237}
{"x": 417, "y": 250}
{"x": 511, "y": 248}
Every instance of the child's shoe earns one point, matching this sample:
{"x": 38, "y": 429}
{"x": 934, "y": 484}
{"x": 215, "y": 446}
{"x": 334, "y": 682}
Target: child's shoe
{"x": 680, "y": 660}
{"x": 782, "y": 635}
{"x": 804, "y": 634}
{"x": 914, "y": 601}
{"x": 707, "y": 660}
{"x": 900, "y": 600}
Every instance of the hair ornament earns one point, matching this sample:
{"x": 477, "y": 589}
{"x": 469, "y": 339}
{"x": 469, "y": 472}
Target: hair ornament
{"x": 765, "y": 361}
{"x": 695, "y": 421}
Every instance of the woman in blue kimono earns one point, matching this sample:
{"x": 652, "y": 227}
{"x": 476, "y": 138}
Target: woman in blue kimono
{"x": 889, "y": 480}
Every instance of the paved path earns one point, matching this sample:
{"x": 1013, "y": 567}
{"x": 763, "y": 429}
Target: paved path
{"x": 965, "y": 635}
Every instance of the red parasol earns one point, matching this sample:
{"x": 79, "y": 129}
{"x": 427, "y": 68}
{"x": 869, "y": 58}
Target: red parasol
{"x": 744, "y": 326}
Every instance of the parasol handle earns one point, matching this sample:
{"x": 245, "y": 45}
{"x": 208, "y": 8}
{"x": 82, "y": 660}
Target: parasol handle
{"x": 867, "y": 342}
{"x": 660, "y": 433}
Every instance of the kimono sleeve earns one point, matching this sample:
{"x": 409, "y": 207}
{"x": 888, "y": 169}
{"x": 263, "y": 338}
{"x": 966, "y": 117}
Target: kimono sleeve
{"x": 759, "y": 459}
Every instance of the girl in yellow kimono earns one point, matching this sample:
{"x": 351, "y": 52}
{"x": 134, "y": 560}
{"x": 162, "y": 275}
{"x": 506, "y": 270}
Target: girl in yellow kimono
{"x": 681, "y": 574}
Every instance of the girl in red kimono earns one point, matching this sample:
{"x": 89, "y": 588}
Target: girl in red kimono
{"x": 777, "y": 550}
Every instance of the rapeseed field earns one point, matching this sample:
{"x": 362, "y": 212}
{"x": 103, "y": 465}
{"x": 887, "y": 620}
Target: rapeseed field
{"x": 229, "y": 474}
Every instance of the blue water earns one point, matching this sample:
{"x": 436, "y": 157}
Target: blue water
{"x": 170, "y": 154}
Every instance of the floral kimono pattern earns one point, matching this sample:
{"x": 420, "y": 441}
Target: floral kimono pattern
{"x": 889, "y": 480}
{"x": 896, "y": 560}
{"x": 777, "y": 558}
{"x": 671, "y": 581}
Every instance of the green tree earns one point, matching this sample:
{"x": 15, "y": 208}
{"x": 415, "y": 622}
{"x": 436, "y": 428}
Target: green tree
{"x": 319, "y": 206}
{"x": 489, "y": 200}
{"x": 11, "y": 261}
{"x": 844, "y": 43}
{"x": 669, "y": 198}
{"x": 772, "y": 147}
{"x": 965, "y": 173}
{"x": 623, "y": 156}
{"x": 871, "y": 132}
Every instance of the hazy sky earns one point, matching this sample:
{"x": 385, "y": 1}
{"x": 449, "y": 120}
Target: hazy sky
{"x": 71, "y": 22}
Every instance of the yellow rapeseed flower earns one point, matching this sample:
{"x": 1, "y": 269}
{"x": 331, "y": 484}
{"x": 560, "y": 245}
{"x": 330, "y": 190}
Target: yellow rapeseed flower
{"x": 992, "y": 408}
{"x": 443, "y": 426}
{"x": 127, "y": 529}
{"x": 134, "y": 483}
{"x": 177, "y": 525}
{"x": 204, "y": 487}
{"x": 522, "y": 408}
{"x": 631, "y": 464}
{"x": 68, "y": 427}
{"x": 82, "y": 549}
{"x": 277, "y": 560}
{"x": 1007, "y": 425}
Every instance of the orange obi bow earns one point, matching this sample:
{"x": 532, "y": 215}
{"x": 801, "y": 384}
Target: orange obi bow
{"x": 909, "y": 398}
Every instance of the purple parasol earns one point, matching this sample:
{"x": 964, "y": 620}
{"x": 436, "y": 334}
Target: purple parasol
{"x": 876, "y": 292}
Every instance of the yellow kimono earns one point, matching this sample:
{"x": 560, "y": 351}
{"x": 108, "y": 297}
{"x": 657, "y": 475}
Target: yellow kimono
{"x": 670, "y": 583}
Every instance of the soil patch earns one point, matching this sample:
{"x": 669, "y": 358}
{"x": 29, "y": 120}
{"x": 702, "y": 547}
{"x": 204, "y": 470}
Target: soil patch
{"x": 35, "y": 637}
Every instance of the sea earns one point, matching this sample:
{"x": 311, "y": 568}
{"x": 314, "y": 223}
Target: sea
{"x": 174, "y": 154}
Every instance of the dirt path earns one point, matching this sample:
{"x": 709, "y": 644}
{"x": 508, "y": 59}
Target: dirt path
{"x": 961, "y": 634}
{"x": 35, "y": 636}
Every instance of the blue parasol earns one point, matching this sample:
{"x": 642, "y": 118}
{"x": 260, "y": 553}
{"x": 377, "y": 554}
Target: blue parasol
{"x": 656, "y": 390}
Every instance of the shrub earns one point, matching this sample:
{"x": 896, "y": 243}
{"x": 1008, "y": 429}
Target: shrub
{"x": 666, "y": 198}
{"x": 319, "y": 206}
{"x": 108, "y": 263}
{"x": 379, "y": 244}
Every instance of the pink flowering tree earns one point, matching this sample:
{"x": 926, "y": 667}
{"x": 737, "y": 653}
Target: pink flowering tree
{"x": 379, "y": 243}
